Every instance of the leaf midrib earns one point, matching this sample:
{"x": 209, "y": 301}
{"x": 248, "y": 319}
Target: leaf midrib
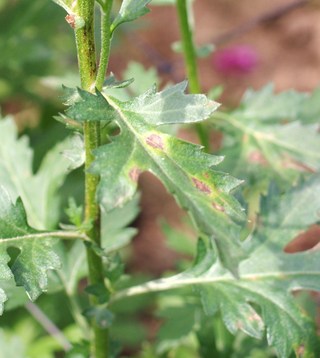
{"x": 177, "y": 282}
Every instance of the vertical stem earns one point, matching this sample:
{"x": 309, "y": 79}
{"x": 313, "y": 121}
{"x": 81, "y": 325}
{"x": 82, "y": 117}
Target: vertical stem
{"x": 188, "y": 47}
{"x": 88, "y": 72}
{"x": 191, "y": 63}
{"x": 105, "y": 43}
{"x": 86, "y": 45}
{"x": 100, "y": 339}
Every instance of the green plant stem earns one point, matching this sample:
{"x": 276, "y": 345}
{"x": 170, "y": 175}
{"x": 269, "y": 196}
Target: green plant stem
{"x": 188, "y": 47}
{"x": 86, "y": 45}
{"x": 190, "y": 59}
{"x": 105, "y": 43}
{"x": 88, "y": 72}
{"x": 99, "y": 342}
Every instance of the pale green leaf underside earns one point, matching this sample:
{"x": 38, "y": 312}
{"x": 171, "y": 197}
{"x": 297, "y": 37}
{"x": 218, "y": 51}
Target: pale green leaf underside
{"x": 182, "y": 167}
{"x": 37, "y": 191}
{"x": 129, "y": 11}
{"x": 268, "y": 106}
{"x": 288, "y": 105}
{"x": 267, "y": 276}
{"x": 277, "y": 133}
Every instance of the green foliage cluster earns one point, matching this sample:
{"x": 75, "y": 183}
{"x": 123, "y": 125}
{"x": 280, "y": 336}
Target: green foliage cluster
{"x": 238, "y": 298}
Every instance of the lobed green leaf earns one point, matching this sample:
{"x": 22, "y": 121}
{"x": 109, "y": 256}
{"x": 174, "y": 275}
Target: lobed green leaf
{"x": 261, "y": 300}
{"x": 35, "y": 256}
{"x": 182, "y": 167}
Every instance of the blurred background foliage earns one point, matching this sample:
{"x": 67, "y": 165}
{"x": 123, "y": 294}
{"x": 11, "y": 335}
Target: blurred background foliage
{"x": 38, "y": 55}
{"x": 37, "y": 51}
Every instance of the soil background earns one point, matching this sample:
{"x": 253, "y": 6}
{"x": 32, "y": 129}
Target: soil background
{"x": 284, "y": 34}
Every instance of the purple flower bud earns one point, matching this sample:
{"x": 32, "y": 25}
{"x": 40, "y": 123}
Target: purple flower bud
{"x": 239, "y": 59}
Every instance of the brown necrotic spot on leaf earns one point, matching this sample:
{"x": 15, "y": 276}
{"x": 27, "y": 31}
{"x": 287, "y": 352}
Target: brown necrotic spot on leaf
{"x": 71, "y": 20}
{"x": 218, "y": 207}
{"x": 201, "y": 186}
{"x": 155, "y": 141}
{"x": 134, "y": 174}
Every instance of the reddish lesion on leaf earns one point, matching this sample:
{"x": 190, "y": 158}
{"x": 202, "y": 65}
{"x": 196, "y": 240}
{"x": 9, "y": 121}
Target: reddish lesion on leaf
{"x": 155, "y": 141}
{"x": 218, "y": 207}
{"x": 201, "y": 186}
{"x": 134, "y": 174}
{"x": 254, "y": 317}
{"x": 257, "y": 157}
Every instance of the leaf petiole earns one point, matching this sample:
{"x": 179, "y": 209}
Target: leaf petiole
{"x": 72, "y": 235}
